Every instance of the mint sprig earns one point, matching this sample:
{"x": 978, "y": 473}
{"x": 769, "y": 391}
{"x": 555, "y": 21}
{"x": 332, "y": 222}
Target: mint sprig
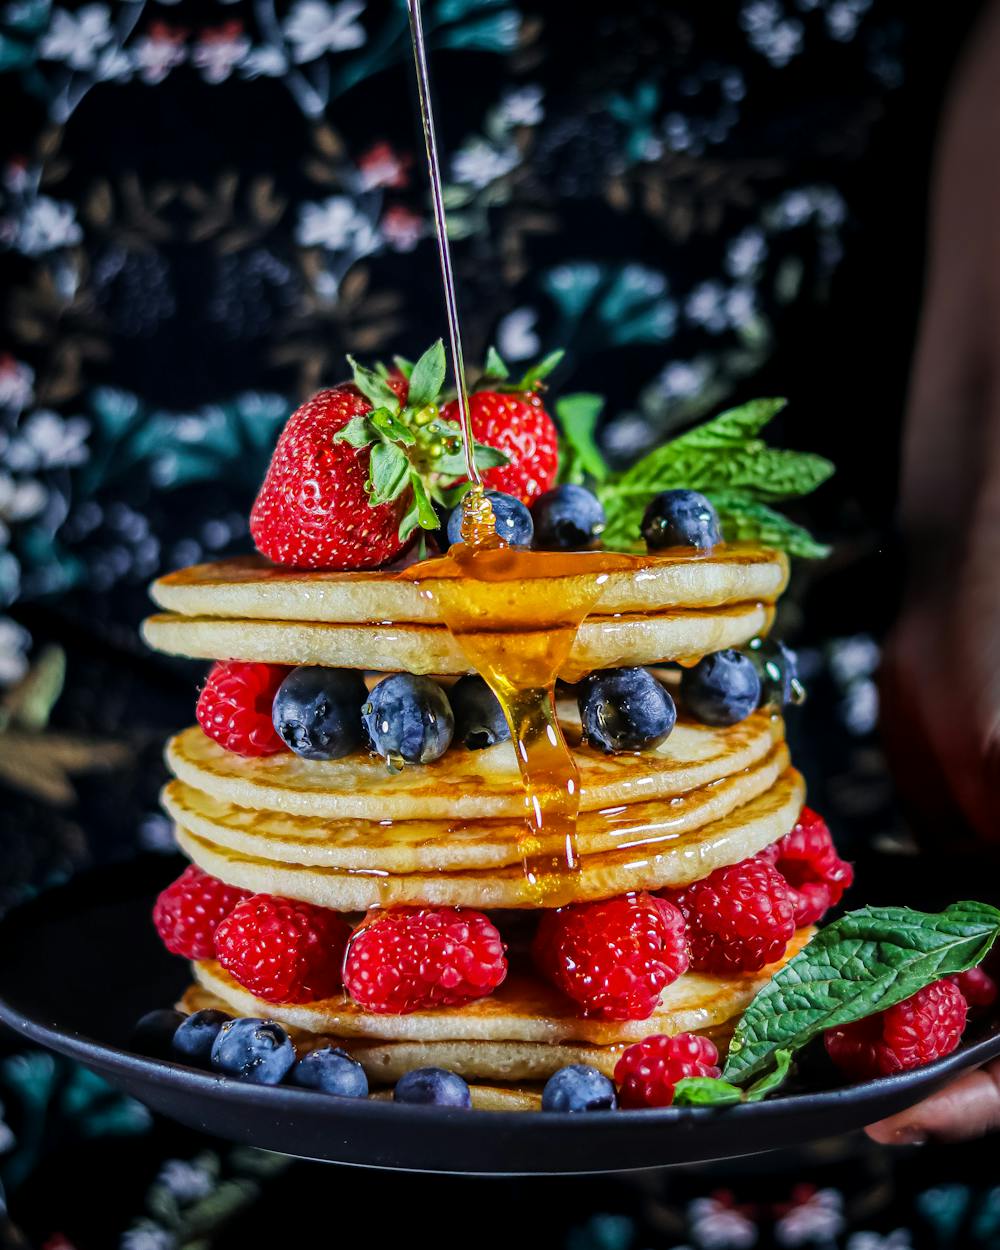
{"x": 866, "y": 961}
{"x": 709, "y": 1091}
{"x": 579, "y": 456}
{"x": 496, "y": 373}
{"x": 413, "y": 448}
{"x": 726, "y": 460}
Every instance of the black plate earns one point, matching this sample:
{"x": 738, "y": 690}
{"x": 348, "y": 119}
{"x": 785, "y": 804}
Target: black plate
{"x": 81, "y": 963}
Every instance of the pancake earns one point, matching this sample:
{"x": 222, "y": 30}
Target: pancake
{"x": 250, "y": 587}
{"x": 743, "y": 832}
{"x": 462, "y": 784}
{"x": 601, "y": 642}
{"x": 525, "y": 1009}
{"x": 406, "y": 846}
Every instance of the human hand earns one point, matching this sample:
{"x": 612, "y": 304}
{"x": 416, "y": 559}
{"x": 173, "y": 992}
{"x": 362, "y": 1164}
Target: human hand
{"x": 967, "y": 1108}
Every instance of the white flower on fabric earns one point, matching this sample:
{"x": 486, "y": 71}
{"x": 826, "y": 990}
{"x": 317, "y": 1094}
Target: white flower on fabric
{"x": 47, "y": 224}
{"x": 820, "y": 1218}
{"x": 720, "y": 1227}
{"x": 220, "y": 50}
{"x": 314, "y": 27}
{"x": 854, "y": 657}
{"x": 14, "y": 644}
{"x": 20, "y": 500}
{"x": 47, "y": 441}
{"x": 706, "y": 306}
{"x": 264, "y": 62}
{"x": 337, "y": 225}
{"x": 745, "y": 252}
{"x": 158, "y": 52}
{"x": 681, "y": 379}
{"x": 113, "y": 65}
{"x": 741, "y": 306}
{"x": 185, "y": 1180}
{"x": 638, "y": 280}
{"x": 521, "y": 106}
{"x": 479, "y": 163}
{"x": 148, "y": 1236}
{"x": 77, "y": 38}
{"x": 898, "y": 1239}
{"x": 402, "y": 228}
{"x": 516, "y": 337}
{"x": 16, "y": 383}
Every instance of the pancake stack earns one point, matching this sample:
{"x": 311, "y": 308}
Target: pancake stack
{"x": 354, "y": 834}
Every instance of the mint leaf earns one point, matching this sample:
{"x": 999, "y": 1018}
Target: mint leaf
{"x": 577, "y": 416}
{"x": 427, "y": 377}
{"x": 773, "y": 1079}
{"x": 495, "y": 368}
{"x": 864, "y": 962}
{"x": 732, "y": 427}
{"x": 374, "y": 388}
{"x": 359, "y": 432}
{"x": 705, "y": 1091}
{"x": 737, "y": 470}
{"x": 388, "y": 472}
{"x": 540, "y": 371}
{"x": 744, "y": 520}
{"x": 404, "y": 366}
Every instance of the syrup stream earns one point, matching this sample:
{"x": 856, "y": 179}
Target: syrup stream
{"x": 514, "y": 640}
{"x": 441, "y": 230}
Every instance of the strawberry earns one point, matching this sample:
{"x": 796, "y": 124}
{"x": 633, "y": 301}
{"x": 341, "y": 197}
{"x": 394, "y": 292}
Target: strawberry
{"x": 513, "y": 419}
{"x": 357, "y": 467}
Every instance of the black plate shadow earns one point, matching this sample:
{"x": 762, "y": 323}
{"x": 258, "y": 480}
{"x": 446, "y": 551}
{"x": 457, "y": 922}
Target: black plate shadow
{"x": 80, "y": 964}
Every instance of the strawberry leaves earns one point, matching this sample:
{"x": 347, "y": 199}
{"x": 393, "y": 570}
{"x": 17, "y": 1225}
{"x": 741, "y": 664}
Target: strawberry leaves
{"x": 497, "y": 374}
{"x": 413, "y": 449}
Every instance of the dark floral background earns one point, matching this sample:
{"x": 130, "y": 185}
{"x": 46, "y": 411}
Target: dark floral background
{"x": 204, "y": 204}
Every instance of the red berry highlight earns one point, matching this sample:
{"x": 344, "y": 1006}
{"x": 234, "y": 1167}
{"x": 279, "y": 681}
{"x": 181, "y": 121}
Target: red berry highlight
{"x": 411, "y": 958}
{"x": 282, "y": 950}
{"x": 517, "y": 424}
{"x": 926, "y": 1026}
{"x": 189, "y": 910}
{"x": 978, "y": 987}
{"x": 739, "y": 918}
{"x": 808, "y": 860}
{"x": 613, "y": 957}
{"x": 648, "y": 1071}
{"x": 234, "y": 707}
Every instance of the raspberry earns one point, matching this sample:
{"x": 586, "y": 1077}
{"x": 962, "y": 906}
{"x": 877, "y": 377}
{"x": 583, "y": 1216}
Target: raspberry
{"x": 924, "y": 1027}
{"x": 187, "y": 912}
{"x": 614, "y": 957}
{"x": 978, "y": 987}
{"x": 234, "y": 707}
{"x": 648, "y": 1071}
{"x": 415, "y": 957}
{"x": 282, "y": 950}
{"x": 809, "y": 862}
{"x": 739, "y": 919}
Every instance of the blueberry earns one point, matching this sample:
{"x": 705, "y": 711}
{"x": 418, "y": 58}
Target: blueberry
{"x": 153, "y": 1033}
{"x": 196, "y": 1036}
{"x": 331, "y": 1071}
{"x": 625, "y": 709}
{"x": 479, "y": 719}
{"x": 778, "y": 670}
{"x": 567, "y": 518}
{"x": 258, "y": 1051}
{"x": 579, "y": 1087}
{"x": 409, "y": 718}
{"x": 721, "y": 689}
{"x": 432, "y": 1087}
{"x": 513, "y": 520}
{"x": 317, "y": 711}
{"x": 680, "y": 518}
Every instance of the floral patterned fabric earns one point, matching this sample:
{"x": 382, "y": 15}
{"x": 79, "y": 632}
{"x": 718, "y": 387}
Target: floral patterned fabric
{"x": 204, "y": 204}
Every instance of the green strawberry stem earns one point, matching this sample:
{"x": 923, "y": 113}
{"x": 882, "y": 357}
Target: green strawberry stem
{"x": 413, "y": 448}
